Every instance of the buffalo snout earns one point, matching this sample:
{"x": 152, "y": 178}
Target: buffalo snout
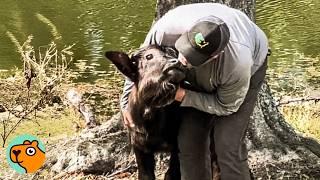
{"x": 174, "y": 71}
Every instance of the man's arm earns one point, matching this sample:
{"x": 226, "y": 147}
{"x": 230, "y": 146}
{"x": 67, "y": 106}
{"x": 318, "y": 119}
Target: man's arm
{"x": 228, "y": 97}
{"x": 128, "y": 84}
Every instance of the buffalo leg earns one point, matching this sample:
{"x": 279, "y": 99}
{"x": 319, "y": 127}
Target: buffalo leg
{"x": 173, "y": 172}
{"x": 146, "y": 164}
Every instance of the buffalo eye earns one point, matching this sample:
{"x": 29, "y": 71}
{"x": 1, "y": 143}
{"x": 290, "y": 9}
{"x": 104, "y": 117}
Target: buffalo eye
{"x": 149, "y": 56}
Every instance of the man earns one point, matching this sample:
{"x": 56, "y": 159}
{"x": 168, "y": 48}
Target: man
{"x": 227, "y": 55}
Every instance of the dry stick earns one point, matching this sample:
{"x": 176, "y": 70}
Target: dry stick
{"x": 131, "y": 165}
{"x": 63, "y": 173}
{"x": 23, "y": 116}
{"x": 29, "y": 60}
{"x": 119, "y": 171}
{"x": 303, "y": 99}
{"x": 4, "y": 139}
{"x": 11, "y": 130}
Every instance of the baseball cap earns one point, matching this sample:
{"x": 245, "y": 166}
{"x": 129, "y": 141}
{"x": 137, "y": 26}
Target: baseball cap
{"x": 206, "y": 38}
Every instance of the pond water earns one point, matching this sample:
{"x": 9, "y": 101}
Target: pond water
{"x": 293, "y": 28}
{"x": 96, "y": 26}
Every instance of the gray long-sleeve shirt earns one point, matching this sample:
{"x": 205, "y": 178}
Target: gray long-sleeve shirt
{"x": 224, "y": 81}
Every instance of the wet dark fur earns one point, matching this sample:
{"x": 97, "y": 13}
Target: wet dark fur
{"x": 156, "y": 75}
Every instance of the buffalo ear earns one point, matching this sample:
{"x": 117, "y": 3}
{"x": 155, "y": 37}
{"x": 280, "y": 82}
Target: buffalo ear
{"x": 124, "y": 64}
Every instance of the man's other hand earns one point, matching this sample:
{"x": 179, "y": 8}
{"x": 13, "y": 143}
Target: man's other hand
{"x": 127, "y": 119}
{"x": 180, "y": 94}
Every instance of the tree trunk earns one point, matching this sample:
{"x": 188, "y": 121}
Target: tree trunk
{"x": 275, "y": 149}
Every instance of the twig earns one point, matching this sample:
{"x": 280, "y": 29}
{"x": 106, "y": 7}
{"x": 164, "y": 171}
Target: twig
{"x": 23, "y": 115}
{"x": 120, "y": 171}
{"x": 295, "y": 100}
{"x": 46, "y": 78}
{"x": 60, "y": 175}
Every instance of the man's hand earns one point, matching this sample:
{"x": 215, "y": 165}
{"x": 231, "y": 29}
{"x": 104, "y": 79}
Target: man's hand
{"x": 180, "y": 94}
{"x": 127, "y": 119}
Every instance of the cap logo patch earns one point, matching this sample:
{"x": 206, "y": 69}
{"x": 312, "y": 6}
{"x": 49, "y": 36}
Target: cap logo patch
{"x": 200, "y": 41}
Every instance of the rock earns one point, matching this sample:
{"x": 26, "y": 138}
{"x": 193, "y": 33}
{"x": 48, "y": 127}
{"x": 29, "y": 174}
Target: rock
{"x": 85, "y": 156}
{"x": 99, "y": 150}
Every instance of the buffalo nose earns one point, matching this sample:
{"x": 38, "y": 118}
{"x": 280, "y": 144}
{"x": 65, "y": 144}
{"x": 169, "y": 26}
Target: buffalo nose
{"x": 173, "y": 61}
{"x": 16, "y": 152}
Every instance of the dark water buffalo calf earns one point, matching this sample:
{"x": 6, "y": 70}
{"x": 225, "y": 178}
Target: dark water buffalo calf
{"x": 156, "y": 74}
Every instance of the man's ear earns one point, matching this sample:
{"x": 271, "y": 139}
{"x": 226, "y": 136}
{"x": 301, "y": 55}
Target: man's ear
{"x": 124, "y": 64}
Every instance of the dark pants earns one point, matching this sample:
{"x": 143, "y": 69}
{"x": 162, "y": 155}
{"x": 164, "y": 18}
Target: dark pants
{"x": 199, "y": 130}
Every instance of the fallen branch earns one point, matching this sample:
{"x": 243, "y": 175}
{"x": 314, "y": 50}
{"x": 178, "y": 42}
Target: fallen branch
{"x": 75, "y": 100}
{"x": 296, "y": 100}
{"x": 126, "y": 169}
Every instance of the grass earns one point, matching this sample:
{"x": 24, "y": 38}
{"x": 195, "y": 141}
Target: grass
{"x": 55, "y": 123}
{"x": 49, "y": 126}
{"x": 304, "y": 117}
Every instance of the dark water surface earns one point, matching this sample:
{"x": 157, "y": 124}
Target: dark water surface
{"x": 93, "y": 25}
{"x": 98, "y": 25}
{"x": 293, "y": 28}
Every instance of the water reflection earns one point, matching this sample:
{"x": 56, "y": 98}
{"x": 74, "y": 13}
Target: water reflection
{"x": 294, "y": 32}
{"x": 94, "y": 41}
{"x": 94, "y": 26}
